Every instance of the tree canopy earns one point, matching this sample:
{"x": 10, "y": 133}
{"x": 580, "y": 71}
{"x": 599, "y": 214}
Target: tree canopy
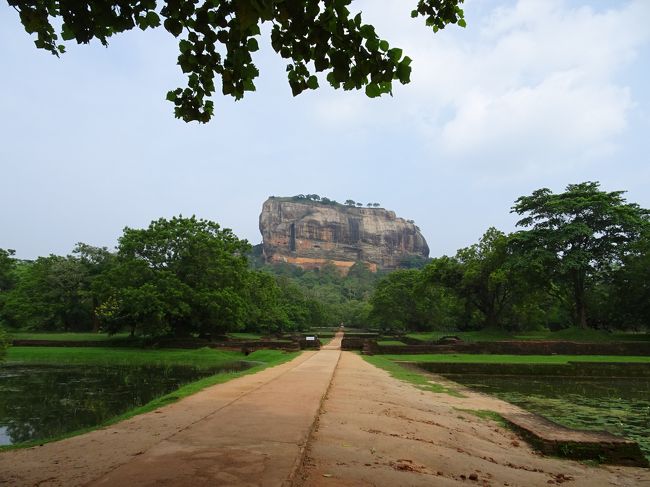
{"x": 576, "y": 234}
{"x": 217, "y": 39}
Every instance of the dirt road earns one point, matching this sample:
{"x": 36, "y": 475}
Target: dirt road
{"x": 376, "y": 431}
{"x": 250, "y": 431}
{"x": 258, "y": 430}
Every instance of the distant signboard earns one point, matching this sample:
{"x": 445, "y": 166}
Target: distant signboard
{"x": 310, "y": 339}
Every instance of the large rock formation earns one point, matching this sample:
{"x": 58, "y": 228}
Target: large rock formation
{"x": 309, "y": 234}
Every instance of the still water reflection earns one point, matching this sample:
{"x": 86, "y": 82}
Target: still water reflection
{"x": 44, "y": 401}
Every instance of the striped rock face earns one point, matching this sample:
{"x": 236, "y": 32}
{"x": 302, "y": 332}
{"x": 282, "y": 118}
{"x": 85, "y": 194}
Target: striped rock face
{"x": 310, "y": 234}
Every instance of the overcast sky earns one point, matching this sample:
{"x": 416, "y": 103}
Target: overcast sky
{"x": 533, "y": 93}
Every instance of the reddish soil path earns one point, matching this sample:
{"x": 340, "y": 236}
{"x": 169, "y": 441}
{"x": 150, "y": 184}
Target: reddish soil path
{"x": 249, "y": 431}
{"x": 377, "y": 431}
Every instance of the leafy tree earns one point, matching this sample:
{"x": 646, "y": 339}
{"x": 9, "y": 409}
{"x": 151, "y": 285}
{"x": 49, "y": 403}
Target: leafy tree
{"x": 7, "y": 281}
{"x": 217, "y": 38}
{"x": 488, "y": 280}
{"x": 266, "y": 309}
{"x": 394, "y": 301}
{"x": 577, "y": 235}
{"x": 49, "y": 296}
{"x": 4, "y": 343}
{"x": 375, "y": 205}
{"x": 178, "y": 276}
{"x": 624, "y": 297}
{"x": 7, "y": 268}
{"x": 350, "y": 202}
{"x": 96, "y": 261}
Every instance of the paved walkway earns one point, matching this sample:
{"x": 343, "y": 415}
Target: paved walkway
{"x": 248, "y": 432}
{"x": 374, "y": 430}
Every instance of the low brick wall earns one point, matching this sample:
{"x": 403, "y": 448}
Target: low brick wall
{"x": 352, "y": 343}
{"x": 520, "y": 348}
{"x": 553, "y": 439}
{"x": 571, "y": 369}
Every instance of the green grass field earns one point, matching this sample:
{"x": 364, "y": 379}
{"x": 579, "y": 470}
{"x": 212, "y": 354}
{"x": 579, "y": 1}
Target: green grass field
{"x": 569, "y": 334}
{"x": 391, "y": 342}
{"x": 201, "y": 358}
{"x": 512, "y": 359}
{"x": 62, "y": 336}
{"x": 245, "y": 336}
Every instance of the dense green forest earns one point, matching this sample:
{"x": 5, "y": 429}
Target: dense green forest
{"x": 581, "y": 258}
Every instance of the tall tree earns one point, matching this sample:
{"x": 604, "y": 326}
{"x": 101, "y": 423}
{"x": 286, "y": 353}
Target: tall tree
{"x": 394, "y": 302}
{"x": 576, "y": 234}
{"x": 7, "y": 268}
{"x": 49, "y": 295}
{"x": 488, "y": 280}
{"x": 178, "y": 276}
{"x": 217, "y": 38}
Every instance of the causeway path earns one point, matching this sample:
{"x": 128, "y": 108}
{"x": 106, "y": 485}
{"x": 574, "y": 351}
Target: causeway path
{"x": 247, "y": 432}
{"x": 326, "y": 418}
{"x": 374, "y": 430}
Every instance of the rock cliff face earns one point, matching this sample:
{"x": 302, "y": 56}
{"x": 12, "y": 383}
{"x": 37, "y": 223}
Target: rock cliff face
{"x": 309, "y": 234}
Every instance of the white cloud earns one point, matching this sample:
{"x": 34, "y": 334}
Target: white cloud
{"x": 536, "y": 82}
{"x": 541, "y": 78}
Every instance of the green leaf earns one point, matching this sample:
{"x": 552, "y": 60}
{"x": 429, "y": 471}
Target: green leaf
{"x": 252, "y": 45}
{"x": 152, "y": 19}
{"x": 173, "y": 26}
{"x": 462, "y": 23}
{"x": 372, "y": 44}
{"x": 184, "y": 46}
{"x": 312, "y": 82}
{"x": 383, "y": 45}
{"x": 395, "y": 54}
{"x": 66, "y": 33}
{"x": 373, "y": 90}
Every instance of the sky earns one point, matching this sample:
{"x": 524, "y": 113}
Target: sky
{"x": 532, "y": 94}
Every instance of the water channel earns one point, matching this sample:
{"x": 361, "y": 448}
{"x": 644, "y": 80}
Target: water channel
{"x": 45, "y": 401}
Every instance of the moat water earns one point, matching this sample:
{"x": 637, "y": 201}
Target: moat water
{"x": 46, "y": 401}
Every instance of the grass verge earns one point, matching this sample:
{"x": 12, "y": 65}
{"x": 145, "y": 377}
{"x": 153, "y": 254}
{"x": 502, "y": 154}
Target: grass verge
{"x": 265, "y": 359}
{"x": 201, "y": 358}
{"x": 401, "y": 373}
{"x": 569, "y": 334}
{"x": 513, "y": 359}
{"x": 486, "y": 414}
{"x": 70, "y": 337}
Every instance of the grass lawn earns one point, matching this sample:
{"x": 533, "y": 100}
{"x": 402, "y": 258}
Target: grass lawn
{"x": 201, "y": 358}
{"x": 512, "y": 359}
{"x": 391, "y": 342}
{"x": 569, "y": 334}
{"x": 245, "y": 336}
{"x": 62, "y": 336}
